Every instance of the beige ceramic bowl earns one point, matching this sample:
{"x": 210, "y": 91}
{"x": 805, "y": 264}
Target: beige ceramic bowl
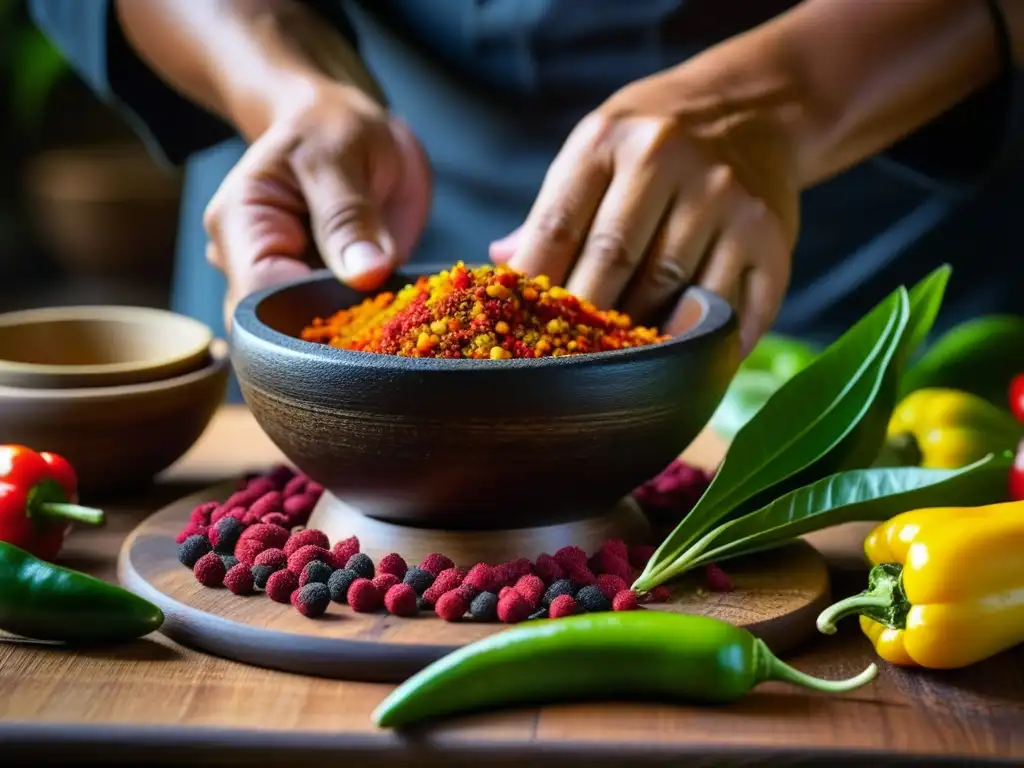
{"x": 117, "y": 437}
{"x": 105, "y": 346}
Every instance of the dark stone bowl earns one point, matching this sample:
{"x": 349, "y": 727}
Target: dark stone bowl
{"x": 476, "y": 443}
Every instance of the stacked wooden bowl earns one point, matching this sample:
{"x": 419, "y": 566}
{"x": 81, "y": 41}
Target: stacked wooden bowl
{"x": 121, "y": 392}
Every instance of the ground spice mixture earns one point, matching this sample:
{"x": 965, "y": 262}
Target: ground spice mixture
{"x": 256, "y": 541}
{"x": 491, "y": 312}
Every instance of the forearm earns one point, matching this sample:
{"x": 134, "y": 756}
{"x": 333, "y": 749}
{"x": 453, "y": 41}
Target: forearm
{"x": 244, "y": 60}
{"x": 848, "y": 78}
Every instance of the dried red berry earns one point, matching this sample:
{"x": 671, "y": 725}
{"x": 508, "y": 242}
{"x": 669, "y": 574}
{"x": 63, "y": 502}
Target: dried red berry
{"x": 393, "y": 564}
{"x": 384, "y": 581}
{"x": 660, "y": 594}
{"x": 532, "y": 588}
{"x": 275, "y": 518}
{"x": 249, "y": 549}
{"x": 272, "y": 535}
{"x": 298, "y": 559}
{"x": 267, "y": 503}
{"x": 610, "y": 585}
{"x": 481, "y": 578}
{"x": 305, "y": 537}
{"x": 400, "y": 600}
{"x": 344, "y": 550}
{"x": 299, "y": 508}
{"x": 202, "y": 513}
{"x": 513, "y": 608}
{"x": 548, "y": 569}
{"x": 562, "y": 606}
{"x": 580, "y": 575}
{"x": 446, "y": 580}
{"x": 640, "y": 555}
{"x": 279, "y": 475}
{"x": 295, "y": 486}
{"x": 567, "y": 555}
{"x": 451, "y": 606}
{"x": 239, "y": 579}
{"x": 616, "y": 548}
{"x": 273, "y": 558}
{"x": 363, "y": 596}
{"x": 435, "y": 563}
{"x": 281, "y": 584}
{"x": 219, "y": 514}
{"x": 314, "y": 488}
{"x": 605, "y": 562}
{"x": 626, "y": 600}
{"x": 209, "y": 570}
{"x": 504, "y": 591}
{"x": 717, "y": 579}
{"x": 190, "y": 530}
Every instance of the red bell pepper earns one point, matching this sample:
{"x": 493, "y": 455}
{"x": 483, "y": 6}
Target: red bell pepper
{"x": 1017, "y": 396}
{"x": 38, "y": 500}
{"x": 1017, "y": 475}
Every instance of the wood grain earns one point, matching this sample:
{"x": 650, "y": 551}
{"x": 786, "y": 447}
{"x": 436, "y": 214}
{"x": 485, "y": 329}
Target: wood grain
{"x": 159, "y": 702}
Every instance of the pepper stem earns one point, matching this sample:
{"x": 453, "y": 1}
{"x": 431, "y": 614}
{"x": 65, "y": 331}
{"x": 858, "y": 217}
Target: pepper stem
{"x": 851, "y": 606}
{"x": 75, "y": 513}
{"x": 884, "y": 601}
{"x": 47, "y": 499}
{"x": 901, "y": 450}
{"x": 771, "y": 667}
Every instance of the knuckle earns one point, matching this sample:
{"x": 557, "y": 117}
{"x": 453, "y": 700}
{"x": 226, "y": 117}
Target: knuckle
{"x": 340, "y": 216}
{"x": 657, "y": 141}
{"x": 610, "y": 251}
{"x": 721, "y": 181}
{"x": 667, "y": 273}
{"x": 556, "y": 227}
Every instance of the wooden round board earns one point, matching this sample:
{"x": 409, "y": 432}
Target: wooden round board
{"x": 777, "y": 596}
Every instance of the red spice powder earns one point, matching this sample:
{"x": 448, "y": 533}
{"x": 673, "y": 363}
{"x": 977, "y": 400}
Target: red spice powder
{"x": 490, "y": 312}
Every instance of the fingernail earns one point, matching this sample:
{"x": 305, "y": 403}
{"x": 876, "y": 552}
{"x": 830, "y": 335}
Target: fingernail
{"x": 360, "y": 264}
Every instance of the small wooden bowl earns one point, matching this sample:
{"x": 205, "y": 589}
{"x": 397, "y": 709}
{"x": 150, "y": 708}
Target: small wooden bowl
{"x": 103, "y": 346}
{"x": 118, "y": 437}
{"x": 476, "y": 443}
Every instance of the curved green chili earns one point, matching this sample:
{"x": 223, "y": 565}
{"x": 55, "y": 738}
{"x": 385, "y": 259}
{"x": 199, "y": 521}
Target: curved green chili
{"x": 43, "y": 601}
{"x": 630, "y": 654}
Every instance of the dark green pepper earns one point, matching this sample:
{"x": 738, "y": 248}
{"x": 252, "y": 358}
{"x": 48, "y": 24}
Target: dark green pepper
{"x": 630, "y": 654}
{"x": 43, "y": 601}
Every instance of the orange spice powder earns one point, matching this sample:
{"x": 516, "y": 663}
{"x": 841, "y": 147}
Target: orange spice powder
{"x": 491, "y": 312}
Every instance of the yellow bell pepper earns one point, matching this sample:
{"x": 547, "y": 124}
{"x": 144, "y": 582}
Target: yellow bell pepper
{"x": 947, "y": 587}
{"x": 946, "y": 429}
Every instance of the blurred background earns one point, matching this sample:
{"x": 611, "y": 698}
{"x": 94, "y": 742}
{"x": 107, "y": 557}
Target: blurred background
{"x": 82, "y": 197}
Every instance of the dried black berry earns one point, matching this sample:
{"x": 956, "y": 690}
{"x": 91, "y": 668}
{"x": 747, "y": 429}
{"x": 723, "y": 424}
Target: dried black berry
{"x": 313, "y": 599}
{"x": 592, "y": 600}
{"x": 192, "y": 549}
{"x": 484, "y": 607}
{"x": 361, "y": 564}
{"x": 316, "y": 572}
{"x": 338, "y": 584}
{"x": 228, "y": 531}
{"x": 418, "y": 579}
{"x": 260, "y": 574}
{"x": 230, "y": 561}
{"x": 558, "y": 588}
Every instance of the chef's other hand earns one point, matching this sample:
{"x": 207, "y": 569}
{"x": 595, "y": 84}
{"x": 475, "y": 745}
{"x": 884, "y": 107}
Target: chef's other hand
{"x": 339, "y": 177}
{"x": 650, "y": 194}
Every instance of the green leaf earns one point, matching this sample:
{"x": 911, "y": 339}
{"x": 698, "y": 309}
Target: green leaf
{"x": 805, "y": 419}
{"x": 858, "y": 495}
{"x": 925, "y": 301}
{"x": 774, "y": 361}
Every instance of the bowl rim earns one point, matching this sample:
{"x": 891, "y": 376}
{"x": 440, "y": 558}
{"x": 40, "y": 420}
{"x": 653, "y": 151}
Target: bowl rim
{"x": 103, "y": 312}
{"x": 717, "y": 315}
{"x": 219, "y": 359}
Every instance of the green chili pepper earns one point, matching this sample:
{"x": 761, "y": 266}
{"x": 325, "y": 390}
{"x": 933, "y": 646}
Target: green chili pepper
{"x": 630, "y": 654}
{"x": 43, "y": 601}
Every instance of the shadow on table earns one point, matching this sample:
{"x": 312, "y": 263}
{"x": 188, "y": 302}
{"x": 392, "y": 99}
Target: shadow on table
{"x": 142, "y": 649}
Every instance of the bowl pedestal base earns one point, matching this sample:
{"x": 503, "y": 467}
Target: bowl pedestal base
{"x": 339, "y": 520}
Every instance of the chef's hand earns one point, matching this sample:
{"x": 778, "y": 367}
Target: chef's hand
{"x": 339, "y": 177}
{"x": 648, "y": 195}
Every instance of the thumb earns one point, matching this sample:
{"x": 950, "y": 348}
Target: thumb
{"x": 347, "y": 228}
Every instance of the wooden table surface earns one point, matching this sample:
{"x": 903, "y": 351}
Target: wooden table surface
{"x": 157, "y": 702}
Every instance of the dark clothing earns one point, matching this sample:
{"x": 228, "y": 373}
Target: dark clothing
{"x": 492, "y": 88}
